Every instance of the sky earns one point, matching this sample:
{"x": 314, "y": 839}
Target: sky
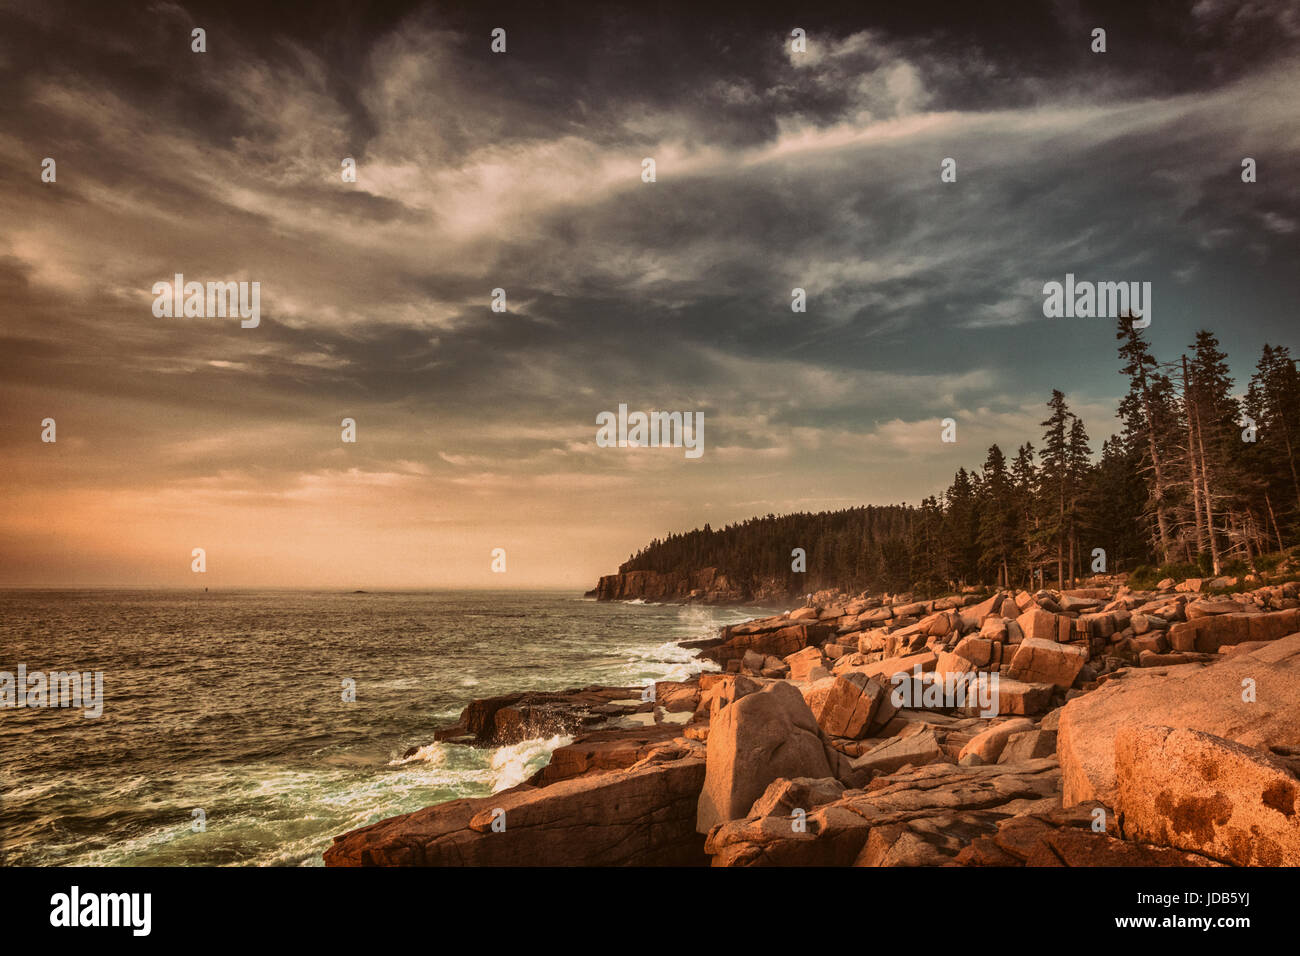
{"x": 523, "y": 170}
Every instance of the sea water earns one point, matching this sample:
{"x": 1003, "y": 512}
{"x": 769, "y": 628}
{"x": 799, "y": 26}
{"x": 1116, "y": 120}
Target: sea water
{"x": 232, "y": 704}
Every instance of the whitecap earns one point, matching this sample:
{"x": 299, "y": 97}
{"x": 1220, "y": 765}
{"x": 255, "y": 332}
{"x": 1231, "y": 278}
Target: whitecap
{"x": 434, "y": 754}
{"x": 514, "y": 764}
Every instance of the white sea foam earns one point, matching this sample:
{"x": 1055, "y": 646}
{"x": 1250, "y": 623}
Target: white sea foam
{"x": 434, "y": 754}
{"x": 514, "y": 764}
{"x": 667, "y": 661}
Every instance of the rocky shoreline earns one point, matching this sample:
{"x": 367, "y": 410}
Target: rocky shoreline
{"x": 1127, "y": 728}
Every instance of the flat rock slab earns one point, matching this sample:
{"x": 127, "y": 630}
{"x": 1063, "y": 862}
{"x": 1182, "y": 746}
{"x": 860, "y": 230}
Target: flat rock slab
{"x": 942, "y": 805}
{"x": 1022, "y": 698}
{"x": 915, "y": 749}
{"x": 779, "y": 642}
{"x": 643, "y": 816}
{"x": 1208, "y": 633}
{"x": 601, "y": 750}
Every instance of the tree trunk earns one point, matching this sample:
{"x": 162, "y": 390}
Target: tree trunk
{"x": 1191, "y": 461}
{"x": 1290, "y": 457}
{"x": 1161, "y": 521}
{"x": 1208, "y": 496}
{"x": 1273, "y": 518}
{"x": 1060, "y": 537}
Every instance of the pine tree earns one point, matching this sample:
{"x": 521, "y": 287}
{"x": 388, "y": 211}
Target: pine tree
{"x": 962, "y": 528}
{"x": 1146, "y": 415}
{"x": 1273, "y": 403}
{"x": 1055, "y": 476}
{"x": 997, "y": 518}
{"x": 1213, "y": 414}
{"x": 1024, "y": 483}
{"x": 1078, "y": 464}
{"x": 1115, "y": 502}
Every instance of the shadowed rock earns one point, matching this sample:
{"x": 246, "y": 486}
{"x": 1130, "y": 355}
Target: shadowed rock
{"x": 510, "y": 718}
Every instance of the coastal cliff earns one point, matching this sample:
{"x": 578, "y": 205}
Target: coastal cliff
{"x": 835, "y": 734}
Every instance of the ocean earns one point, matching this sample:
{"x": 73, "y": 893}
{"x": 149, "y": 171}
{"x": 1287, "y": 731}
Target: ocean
{"x": 232, "y": 704}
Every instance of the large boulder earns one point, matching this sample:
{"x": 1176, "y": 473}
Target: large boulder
{"x": 725, "y": 691}
{"x": 950, "y": 662}
{"x": 783, "y": 797}
{"x": 757, "y": 739}
{"x": 845, "y": 705}
{"x": 802, "y": 662}
{"x": 973, "y": 616}
{"x": 1038, "y": 624}
{"x": 916, "y": 749}
{"x": 979, "y": 650}
{"x": 1028, "y": 745}
{"x": 1022, "y": 697}
{"x": 1191, "y": 697}
{"x": 1195, "y": 791}
{"x": 940, "y": 624}
{"x": 1100, "y": 626}
{"x": 987, "y": 745}
{"x": 1040, "y": 661}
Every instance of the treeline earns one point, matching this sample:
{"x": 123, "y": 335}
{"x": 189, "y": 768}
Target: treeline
{"x": 852, "y": 549}
{"x": 1196, "y": 476}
